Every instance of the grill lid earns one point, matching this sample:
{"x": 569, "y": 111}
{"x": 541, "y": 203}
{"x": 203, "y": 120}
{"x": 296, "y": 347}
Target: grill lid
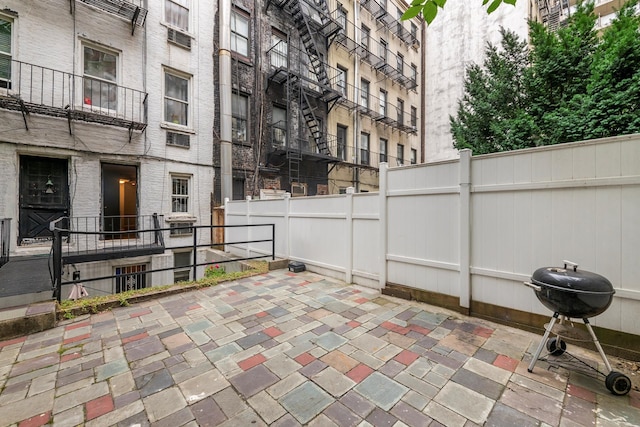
{"x": 570, "y": 279}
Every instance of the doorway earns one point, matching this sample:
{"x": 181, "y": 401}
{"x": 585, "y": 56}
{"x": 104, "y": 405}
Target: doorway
{"x": 119, "y": 200}
{"x": 44, "y": 197}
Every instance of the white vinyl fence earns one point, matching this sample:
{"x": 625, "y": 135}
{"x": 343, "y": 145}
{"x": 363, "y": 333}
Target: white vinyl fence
{"x": 477, "y": 227}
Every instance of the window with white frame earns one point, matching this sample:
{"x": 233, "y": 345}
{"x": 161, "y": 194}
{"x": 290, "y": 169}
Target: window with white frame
{"x": 400, "y": 155}
{"x": 240, "y": 33}
{"x": 414, "y": 156}
{"x": 239, "y": 117}
{"x": 383, "y": 150}
{"x": 342, "y": 142}
{"x": 100, "y": 78}
{"x": 176, "y": 99}
{"x": 279, "y": 49}
{"x": 364, "y": 93}
{"x": 182, "y": 262}
{"x": 176, "y": 13}
{"x": 179, "y": 193}
{"x": 364, "y": 148}
{"x": 5, "y": 52}
{"x": 383, "y": 102}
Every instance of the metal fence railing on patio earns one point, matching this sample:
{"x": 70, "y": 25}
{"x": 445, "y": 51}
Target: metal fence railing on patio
{"x": 125, "y": 278}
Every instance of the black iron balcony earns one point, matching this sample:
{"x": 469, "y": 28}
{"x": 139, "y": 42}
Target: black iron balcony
{"x": 40, "y": 90}
{"x": 304, "y": 144}
{"x": 384, "y": 18}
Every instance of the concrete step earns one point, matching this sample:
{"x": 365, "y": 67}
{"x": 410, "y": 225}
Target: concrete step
{"x": 27, "y": 319}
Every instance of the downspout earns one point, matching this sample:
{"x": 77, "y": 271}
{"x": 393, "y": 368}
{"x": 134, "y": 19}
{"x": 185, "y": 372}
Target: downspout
{"x": 422, "y": 91}
{"x": 224, "y": 67}
{"x": 356, "y": 90}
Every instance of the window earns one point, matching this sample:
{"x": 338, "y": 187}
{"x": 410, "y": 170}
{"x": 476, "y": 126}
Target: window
{"x": 383, "y": 49}
{"x": 176, "y": 99}
{"x": 239, "y": 117}
{"x": 414, "y": 31}
{"x": 342, "y": 81}
{"x": 279, "y": 49}
{"x": 5, "y": 53}
{"x": 414, "y": 117}
{"x": 342, "y": 142}
{"x": 364, "y": 37}
{"x": 130, "y": 277}
{"x": 237, "y": 189}
{"x": 400, "y": 108}
{"x": 400, "y": 155}
{"x": 100, "y": 77}
{"x": 364, "y": 93}
{"x": 182, "y": 266}
{"x": 341, "y": 18}
{"x": 414, "y": 156}
{"x": 383, "y": 102}
{"x": 240, "y": 33}
{"x": 383, "y": 150}
{"x": 179, "y": 193}
{"x": 180, "y": 229}
{"x": 364, "y": 148}
{"x": 279, "y": 122}
{"x": 400, "y": 63}
{"x": 176, "y": 13}
{"x": 414, "y": 73}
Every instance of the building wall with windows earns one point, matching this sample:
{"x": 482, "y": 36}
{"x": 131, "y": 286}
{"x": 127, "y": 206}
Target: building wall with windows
{"x": 116, "y": 111}
{"x": 381, "y": 58}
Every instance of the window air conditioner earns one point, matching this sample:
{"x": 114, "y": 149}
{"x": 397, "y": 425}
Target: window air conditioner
{"x": 181, "y": 39}
{"x": 298, "y": 189}
{"x": 178, "y": 139}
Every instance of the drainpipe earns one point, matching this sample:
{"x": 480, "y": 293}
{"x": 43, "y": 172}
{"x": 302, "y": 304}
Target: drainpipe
{"x": 224, "y": 66}
{"x": 356, "y": 86}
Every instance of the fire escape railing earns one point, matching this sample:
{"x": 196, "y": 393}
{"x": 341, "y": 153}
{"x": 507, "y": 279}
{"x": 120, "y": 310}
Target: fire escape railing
{"x": 384, "y": 18}
{"x": 128, "y": 10}
{"x": 5, "y": 240}
{"x": 381, "y": 63}
{"x": 41, "y": 90}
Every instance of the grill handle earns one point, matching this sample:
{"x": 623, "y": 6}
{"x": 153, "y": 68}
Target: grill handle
{"x": 570, "y": 264}
{"x": 532, "y": 286}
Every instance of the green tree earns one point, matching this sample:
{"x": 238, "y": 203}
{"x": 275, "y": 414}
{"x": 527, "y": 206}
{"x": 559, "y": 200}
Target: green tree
{"x": 558, "y": 75}
{"x": 613, "y": 106}
{"x": 492, "y": 114}
{"x": 429, "y": 8}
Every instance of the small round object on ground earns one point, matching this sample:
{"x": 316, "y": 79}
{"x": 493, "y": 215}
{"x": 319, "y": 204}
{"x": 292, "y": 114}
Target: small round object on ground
{"x": 556, "y": 347}
{"x": 618, "y": 383}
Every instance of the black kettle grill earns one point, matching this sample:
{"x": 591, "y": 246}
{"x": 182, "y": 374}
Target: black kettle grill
{"x": 570, "y": 293}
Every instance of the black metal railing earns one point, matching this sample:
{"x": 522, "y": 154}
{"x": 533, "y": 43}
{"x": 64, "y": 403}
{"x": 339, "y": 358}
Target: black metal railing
{"x": 304, "y": 144}
{"x": 131, "y": 277}
{"x": 42, "y": 90}
{"x": 5, "y": 240}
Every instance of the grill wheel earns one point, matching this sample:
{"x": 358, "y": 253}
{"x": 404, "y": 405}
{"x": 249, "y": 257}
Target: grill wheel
{"x": 618, "y": 383}
{"x": 556, "y": 347}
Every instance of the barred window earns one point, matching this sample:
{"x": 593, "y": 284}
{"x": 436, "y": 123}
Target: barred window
{"x": 179, "y": 194}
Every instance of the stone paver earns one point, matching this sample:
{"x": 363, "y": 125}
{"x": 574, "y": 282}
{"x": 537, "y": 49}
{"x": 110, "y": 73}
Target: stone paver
{"x": 287, "y": 349}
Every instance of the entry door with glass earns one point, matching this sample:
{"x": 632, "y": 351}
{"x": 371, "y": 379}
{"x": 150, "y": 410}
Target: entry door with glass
{"x": 119, "y": 200}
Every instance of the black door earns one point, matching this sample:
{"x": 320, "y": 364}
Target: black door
{"x": 44, "y": 196}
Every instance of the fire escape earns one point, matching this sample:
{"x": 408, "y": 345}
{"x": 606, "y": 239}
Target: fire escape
{"x": 307, "y": 77}
{"x": 554, "y": 13}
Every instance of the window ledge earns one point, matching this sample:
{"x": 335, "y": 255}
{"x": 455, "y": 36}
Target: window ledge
{"x": 188, "y": 33}
{"x": 177, "y": 128}
{"x": 180, "y": 217}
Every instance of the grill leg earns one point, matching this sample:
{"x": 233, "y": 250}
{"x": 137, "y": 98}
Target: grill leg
{"x": 597, "y": 343}
{"x": 545, "y": 337}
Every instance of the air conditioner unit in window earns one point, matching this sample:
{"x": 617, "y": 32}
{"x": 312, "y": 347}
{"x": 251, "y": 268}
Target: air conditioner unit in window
{"x": 298, "y": 189}
{"x": 181, "y": 39}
